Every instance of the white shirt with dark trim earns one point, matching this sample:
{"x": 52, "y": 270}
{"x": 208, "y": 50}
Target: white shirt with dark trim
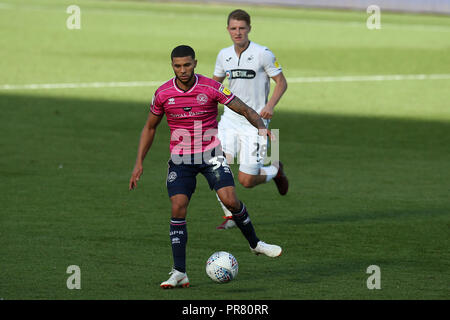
{"x": 248, "y": 75}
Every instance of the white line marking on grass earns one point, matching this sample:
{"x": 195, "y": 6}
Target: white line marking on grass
{"x": 393, "y": 77}
{"x": 81, "y": 85}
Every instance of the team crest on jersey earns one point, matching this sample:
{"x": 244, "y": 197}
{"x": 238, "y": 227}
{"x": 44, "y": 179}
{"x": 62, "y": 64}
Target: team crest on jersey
{"x": 172, "y": 176}
{"x": 224, "y": 90}
{"x": 202, "y": 98}
{"x": 171, "y": 101}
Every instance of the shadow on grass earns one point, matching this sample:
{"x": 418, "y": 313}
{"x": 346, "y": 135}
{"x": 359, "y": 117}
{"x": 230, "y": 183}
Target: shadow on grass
{"x": 74, "y": 156}
{"x": 324, "y": 154}
{"x": 41, "y": 114}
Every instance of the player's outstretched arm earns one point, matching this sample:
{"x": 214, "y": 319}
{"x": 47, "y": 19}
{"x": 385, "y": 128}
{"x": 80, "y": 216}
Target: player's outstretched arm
{"x": 238, "y": 106}
{"x": 145, "y": 142}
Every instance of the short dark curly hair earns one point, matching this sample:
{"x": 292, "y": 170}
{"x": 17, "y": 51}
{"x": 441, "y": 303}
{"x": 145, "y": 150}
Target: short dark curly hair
{"x": 182, "y": 51}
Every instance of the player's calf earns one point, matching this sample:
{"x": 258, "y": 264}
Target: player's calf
{"x": 265, "y": 174}
{"x": 242, "y": 220}
{"x": 249, "y": 181}
{"x": 229, "y": 199}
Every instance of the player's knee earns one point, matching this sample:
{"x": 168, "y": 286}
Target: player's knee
{"x": 232, "y": 203}
{"x": 246, "y": 181}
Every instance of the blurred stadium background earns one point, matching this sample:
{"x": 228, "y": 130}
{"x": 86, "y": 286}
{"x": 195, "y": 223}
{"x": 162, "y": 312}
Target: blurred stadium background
{"x": 418, "y": 6}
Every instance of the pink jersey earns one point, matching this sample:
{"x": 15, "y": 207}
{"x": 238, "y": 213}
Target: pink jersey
{"x": 191, "y": 115}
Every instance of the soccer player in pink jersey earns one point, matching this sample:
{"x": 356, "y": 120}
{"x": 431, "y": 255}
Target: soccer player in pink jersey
{"x": 189, "y": 102}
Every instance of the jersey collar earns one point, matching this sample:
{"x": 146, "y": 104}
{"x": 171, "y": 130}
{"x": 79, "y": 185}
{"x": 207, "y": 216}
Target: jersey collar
{"x": 181, "y": 91}
{"x": 240, "y": 55}
{"x": 234, "y": 49}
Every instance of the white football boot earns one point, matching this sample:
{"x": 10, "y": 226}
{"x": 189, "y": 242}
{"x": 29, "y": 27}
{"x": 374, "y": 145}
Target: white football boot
{"x": 270, "y": 250}
{"x": 177, "y": 279}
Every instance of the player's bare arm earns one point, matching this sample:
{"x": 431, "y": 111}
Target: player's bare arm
{"x": 218, "y": 79}
{"x": 238, "y": 106}
{"x": 145, "y": 142}
{"x": 278, "y": 91}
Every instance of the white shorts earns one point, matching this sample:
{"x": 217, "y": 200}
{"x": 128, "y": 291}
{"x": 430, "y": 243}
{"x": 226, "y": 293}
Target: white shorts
{"x": 243, "y": 140}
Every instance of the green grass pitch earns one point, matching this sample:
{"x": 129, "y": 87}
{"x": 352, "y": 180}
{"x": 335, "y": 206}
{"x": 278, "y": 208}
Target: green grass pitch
{"x": 368, "y": 161}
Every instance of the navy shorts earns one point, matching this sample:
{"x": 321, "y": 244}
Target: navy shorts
{"x": 181, "y": 175}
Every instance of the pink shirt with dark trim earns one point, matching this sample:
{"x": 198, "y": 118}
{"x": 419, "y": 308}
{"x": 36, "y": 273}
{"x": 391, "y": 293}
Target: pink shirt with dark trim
{"x": 191, "y": 115}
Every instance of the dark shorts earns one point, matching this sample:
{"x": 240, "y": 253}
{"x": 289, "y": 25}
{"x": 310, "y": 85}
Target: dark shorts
{"x": 181, "y": 175}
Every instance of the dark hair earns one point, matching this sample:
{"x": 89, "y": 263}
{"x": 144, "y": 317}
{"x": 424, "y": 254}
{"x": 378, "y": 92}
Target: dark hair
{"x": 239, "y": 15}
{"x": 182, "y": 51}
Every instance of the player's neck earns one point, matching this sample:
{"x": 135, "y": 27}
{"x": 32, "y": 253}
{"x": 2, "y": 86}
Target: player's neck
{"x": 241, "y": 48}
{"x": 185, "y": 86}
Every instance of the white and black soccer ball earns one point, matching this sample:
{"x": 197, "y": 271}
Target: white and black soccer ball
{"x": 222, "y": 267}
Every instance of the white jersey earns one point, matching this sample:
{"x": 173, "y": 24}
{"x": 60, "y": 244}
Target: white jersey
{"x": 248, "y": 76}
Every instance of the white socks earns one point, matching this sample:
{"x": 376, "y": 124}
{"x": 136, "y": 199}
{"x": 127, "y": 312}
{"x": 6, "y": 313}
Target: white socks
{"x": 225, "y": 210}
{"x": 270, "y": 172}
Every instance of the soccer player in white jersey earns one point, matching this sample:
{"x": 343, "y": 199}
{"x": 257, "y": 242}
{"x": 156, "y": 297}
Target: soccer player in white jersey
{"x": 249, "y": 68}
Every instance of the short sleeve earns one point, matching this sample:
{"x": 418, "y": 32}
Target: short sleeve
{"x": 219, "y": 71}
{"x": 271, "y": 66}
{"x": 223, "y": 95}
{"x": 156, "y": 106}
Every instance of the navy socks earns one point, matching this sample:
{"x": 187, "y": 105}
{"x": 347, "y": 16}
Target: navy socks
{"x": 243, "y": 222}
{"x": 178, "y": 238}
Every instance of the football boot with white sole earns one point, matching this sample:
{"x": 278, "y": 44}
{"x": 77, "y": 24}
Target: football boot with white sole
{"x": 270, "y": 250}
{"x": 177, "y": 279}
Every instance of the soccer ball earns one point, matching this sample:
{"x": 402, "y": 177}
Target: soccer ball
{"x": 222, "y": 267}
